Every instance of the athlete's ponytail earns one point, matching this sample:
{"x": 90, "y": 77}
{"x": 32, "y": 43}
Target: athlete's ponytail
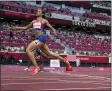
{"x": 46, "y": 13}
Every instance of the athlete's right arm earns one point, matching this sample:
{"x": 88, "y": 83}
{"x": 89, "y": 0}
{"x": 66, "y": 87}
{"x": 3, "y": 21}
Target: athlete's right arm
{"x": 21, "y": 28}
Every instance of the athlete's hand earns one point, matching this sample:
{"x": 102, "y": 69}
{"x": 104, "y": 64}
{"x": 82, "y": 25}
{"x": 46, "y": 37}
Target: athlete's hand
{"x": 12, "y": 29}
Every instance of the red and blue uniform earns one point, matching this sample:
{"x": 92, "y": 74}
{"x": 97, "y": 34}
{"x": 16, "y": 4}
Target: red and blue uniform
{"x": 38, "y": 25}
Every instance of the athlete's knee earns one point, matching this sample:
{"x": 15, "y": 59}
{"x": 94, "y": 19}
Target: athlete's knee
{"x": 27, "y": 50}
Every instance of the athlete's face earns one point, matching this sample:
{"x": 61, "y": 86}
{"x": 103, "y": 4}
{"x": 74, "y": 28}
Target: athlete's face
{"x": 39, "y": 13}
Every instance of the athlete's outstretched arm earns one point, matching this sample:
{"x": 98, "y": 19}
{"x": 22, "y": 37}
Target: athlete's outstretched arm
{"x": 50, "y": 26}
{"x": 21, "y": 28}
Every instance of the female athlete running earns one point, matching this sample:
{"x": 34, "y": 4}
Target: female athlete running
{"x": 40, "y": 42}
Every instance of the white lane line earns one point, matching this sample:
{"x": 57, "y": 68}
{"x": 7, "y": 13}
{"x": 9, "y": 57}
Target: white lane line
{"x": 6, "y": 77}
{"x": 52, "y": 83}
{"x": 81, "y": 75}
{"x": 56, "y": 79}
{"x": 70, "y": 78}
{"x": 95, "y": 88}
{"x": 52, "y": 78}
{"x": 46, "y": 79}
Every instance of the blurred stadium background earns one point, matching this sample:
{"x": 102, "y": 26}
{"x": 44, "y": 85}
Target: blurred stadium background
{"x": 83, "y": 28}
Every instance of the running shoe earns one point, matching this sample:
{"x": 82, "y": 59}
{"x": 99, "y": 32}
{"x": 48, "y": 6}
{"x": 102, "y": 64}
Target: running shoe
{"x": 35, "y": 71}
{"x": 66, "y": 61}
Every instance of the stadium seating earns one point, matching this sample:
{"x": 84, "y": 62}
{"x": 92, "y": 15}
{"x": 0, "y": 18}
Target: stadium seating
{"x": 22, "y": 7}
{"x": 85, "y": 42}
{"x": 97, "y": 16}
{"x": 101, "y": 3}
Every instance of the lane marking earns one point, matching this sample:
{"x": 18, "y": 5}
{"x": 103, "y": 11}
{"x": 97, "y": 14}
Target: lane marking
{"x": 67, "y": 81}
{"x": 81, "y": 75}
{"x": 95, "y": 88}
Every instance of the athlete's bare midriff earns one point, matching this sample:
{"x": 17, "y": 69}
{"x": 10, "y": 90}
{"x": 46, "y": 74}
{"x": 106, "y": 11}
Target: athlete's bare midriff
{"x": 38, "y": 26}
{"x": 38, "y": 33}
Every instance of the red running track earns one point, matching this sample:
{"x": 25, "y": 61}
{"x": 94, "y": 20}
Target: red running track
{"x": 55, "y": 81}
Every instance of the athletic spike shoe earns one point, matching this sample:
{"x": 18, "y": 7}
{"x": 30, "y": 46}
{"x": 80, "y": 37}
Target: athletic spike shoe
{"x": 35, "y": 71}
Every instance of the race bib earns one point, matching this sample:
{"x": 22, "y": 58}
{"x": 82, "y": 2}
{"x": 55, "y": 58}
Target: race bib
{"x": 37, "y": 25}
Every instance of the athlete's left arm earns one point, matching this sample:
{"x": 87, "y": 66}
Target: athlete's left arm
{"x": 50, "y": 26}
